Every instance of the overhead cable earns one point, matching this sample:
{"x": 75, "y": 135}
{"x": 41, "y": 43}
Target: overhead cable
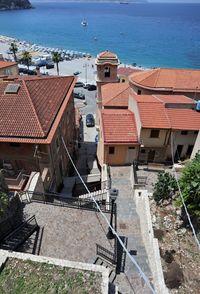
{"x": 146, "y": 280}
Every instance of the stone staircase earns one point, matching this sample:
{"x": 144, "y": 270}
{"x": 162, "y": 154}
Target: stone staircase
{"x": 17, "y": 237}
{"x": 112, "y": 274}
{"x": 128, "y": 225}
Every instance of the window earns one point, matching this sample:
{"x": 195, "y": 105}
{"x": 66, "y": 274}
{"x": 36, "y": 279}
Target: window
{"x": 107, "y": 72}
{"x": 139, "y": 92}
{"x": 111, "y": 150}
{"x": 196, "y": 132}
{"x": 15, "y": 144}
{"x": 189, "y": 150}
{"x": 131, "y": 148}
{"x": 123, "y": 81}
{"x": 154, "y": 133}
{"x": 184, "y": 132}
{"x": 142, "y": 151}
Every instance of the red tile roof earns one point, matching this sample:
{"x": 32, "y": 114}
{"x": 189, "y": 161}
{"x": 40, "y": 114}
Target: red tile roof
{"x": 4, "y": 64}
{"x": 154, "y": 113}
{"x": 127, "y": 71}
{"x": 32, "y": 113}
{"x": 107, "y": 54}
{"x": 115, "y": 94}
{"x": 168, "y": 79}
{"x": 119, "y": 126}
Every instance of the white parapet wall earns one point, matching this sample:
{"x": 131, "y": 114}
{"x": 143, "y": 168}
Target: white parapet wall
{"x": 151, "y": 243}
{"x": 4, "y": 254}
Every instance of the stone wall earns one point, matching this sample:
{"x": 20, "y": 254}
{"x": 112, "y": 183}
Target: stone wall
{"x": 151, "y": 243}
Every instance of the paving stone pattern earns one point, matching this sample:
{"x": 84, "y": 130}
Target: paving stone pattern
{"x": 69, "y": 233}
{"x": 129, "y": 226}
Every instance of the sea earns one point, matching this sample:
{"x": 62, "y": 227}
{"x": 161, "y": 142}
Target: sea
{"x": 148, "y": 34}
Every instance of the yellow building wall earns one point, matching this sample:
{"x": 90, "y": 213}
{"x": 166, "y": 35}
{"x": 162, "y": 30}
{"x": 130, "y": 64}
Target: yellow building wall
{"x": 120, "y": 156}
{"x": 11, "y": 70}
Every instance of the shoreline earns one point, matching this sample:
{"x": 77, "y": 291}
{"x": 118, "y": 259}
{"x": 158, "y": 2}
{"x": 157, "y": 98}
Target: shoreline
{"x": 78, "y": 61}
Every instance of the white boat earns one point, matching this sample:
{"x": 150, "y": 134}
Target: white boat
{"x": 84, "y": 23}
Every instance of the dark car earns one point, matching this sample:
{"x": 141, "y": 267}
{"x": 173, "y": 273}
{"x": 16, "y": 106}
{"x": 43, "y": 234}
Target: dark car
{"x": 78, "y": 84}
{"x": 86, "y": 86}
{"x": 76, "y": 73}
{"x": 92, "y": 88}
{"x": 96, "y": 138}
{"x": 49, "y": 65}
{"x": 90, "y": 122}
{"x": 79, "y": 96}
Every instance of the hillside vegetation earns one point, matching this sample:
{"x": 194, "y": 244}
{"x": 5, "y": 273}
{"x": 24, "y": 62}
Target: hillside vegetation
{"x": 14, "y": 4}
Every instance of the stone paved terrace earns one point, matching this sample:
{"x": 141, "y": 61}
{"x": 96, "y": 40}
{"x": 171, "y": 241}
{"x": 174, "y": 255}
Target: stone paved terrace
{"x": 129, "y": 225}
{"x": 69, "y": 233}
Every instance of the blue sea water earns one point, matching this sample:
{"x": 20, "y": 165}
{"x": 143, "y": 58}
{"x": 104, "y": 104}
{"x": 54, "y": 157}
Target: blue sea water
{"x": 164, "y": 35}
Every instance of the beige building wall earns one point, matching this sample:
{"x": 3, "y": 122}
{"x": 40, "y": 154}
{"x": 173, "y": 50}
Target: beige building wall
{"x": 142, "y": 91}
{"x": 132, "y": 106}
{"x": 11, "y": 70}
{"x": 184, "y": 140}
{"x": 196, "y": 148}
{"x": 147, "y": 141}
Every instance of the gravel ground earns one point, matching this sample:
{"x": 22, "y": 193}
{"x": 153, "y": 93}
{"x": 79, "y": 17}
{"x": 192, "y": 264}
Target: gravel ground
{"x": 69, "y": 233}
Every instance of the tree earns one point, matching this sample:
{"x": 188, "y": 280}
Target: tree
{"x": 190, "y": 186}
{"x": 56, "y": 57}
{"x": 165, "y": 187}
{"x": 26, "y": 58}
{"x": 13, "y": 49}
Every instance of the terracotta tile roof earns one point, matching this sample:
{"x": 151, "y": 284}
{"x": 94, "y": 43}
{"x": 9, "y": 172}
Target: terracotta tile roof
{"x": 107, "y": 54}
{"x": 127, "y": 71}
{"x": 184, "y": 119}
{"x": 4, "y": 64}
{"x": 154, "y": 113}
{"x": 119, "y": 126}
{"x": 162, "y": 98}
{"x": 30, "y": 114}
{"x": 169, "y": 79}
{"x": 115, "y": 94}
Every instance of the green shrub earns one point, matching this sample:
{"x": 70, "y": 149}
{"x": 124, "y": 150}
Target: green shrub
{"x": 165, "y": 187}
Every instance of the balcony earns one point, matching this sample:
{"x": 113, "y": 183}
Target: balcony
{"x": 15, "y": 180}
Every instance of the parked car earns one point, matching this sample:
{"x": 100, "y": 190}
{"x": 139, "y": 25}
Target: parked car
{"x": 86, "y": 86}
{"x": 79, "y": 84}
{"x": 96, "y": 138}
{"x": 49, "y": 65}
{"x": 79, "y": 96}
{"x": 76, "y": 73}
{"x": 90, "y": 122}
{"x": 92, "y": 88}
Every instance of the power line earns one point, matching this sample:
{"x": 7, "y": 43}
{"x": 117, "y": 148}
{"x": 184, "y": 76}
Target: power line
{"x": 176, "y": 177}
{"x": 112, "y": 229}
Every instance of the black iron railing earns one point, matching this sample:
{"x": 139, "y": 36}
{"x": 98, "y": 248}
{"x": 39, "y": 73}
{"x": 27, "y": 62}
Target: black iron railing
{"x": 105, "y": 253}
{"x": 17, "y": 237}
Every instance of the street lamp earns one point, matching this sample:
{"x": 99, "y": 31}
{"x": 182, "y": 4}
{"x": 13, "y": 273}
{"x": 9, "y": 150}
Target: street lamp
{"x": 113, "y": 197}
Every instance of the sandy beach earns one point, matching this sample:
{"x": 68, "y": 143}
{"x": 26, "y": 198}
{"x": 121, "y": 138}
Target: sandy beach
{"x": 84, "y": 65}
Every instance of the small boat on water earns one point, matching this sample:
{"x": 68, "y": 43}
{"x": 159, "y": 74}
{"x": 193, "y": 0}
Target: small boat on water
{"x": 84, "y": 23}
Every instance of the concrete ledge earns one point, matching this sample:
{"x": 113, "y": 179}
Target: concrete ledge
{"x": 4, "y": 254}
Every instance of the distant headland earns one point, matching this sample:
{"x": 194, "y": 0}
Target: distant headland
{"x": 97, "y": 1}
{"x": 14, "y": 4}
